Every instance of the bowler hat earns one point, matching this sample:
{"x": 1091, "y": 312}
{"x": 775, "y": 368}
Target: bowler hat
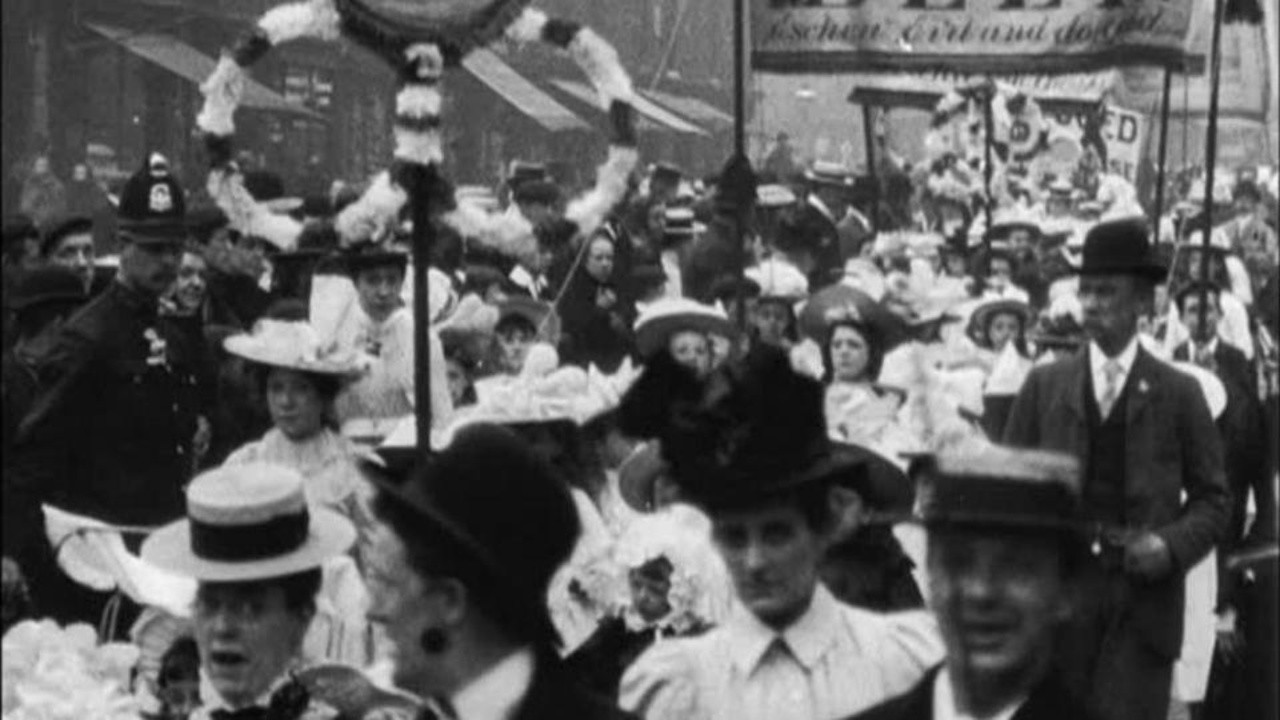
{"x": 666, "y": 172}
{"x": 1001, "y": 488}
{"x": 18, "y": 228}
{"x": 44, "y": 285}
{"x": 754, "y": 430}
{"x": 502, "y": 507}
{"x": 153, "y": 206}
{"x": 248, "y": 522}
{"x": 1121, "y": 247}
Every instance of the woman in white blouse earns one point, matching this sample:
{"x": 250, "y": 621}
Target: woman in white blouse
{"x": 750, "y": 447}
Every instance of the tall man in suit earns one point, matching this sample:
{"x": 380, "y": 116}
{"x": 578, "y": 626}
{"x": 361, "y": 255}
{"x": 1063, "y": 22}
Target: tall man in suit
{"x": 1241, "y": 424}
{"x": 1144, "y": 437}
{"x": 1005, "y": 549}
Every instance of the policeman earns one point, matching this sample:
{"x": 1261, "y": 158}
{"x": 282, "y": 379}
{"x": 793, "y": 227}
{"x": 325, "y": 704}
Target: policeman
{"x": 112, "y": 432}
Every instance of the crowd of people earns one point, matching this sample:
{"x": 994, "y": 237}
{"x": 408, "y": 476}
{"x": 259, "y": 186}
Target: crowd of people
{"x": 825, "y": 454}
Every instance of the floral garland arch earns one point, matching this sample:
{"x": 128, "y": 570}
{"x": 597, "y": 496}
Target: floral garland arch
{"x": 421, "y": 43}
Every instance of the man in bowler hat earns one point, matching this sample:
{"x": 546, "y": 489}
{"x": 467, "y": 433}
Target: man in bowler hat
{"x": 1144, "y": 438}
{"x": 1005, "y": 545}
{"x": 112, "y": 431}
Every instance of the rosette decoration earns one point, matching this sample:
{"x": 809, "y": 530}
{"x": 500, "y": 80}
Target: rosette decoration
{"x": 421, "y": 39}
{"x": 956, "y": 141}
{"x": 56, "y": 673}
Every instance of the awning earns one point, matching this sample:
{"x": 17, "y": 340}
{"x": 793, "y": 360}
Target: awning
{"x": 643, "y": 106}
{"x": 181, "y": 59}
{"x": 692, "y": 108}
{"x": 526, "y": 97}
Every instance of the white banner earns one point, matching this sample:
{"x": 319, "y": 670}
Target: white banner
{"x": 1124, "y": 133}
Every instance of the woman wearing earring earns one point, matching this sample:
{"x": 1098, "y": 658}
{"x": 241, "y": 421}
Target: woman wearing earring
{"x": 461, "y": 575}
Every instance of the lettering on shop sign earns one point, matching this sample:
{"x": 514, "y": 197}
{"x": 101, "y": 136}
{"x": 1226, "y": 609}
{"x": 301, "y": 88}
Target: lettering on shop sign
{"x": 965, "y": 35}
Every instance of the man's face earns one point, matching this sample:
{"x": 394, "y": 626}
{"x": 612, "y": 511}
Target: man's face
{"x": 189, "y": 291}
{"x": 379, "y": 289}
{"x": 247, "y": 636}
{"x": 150, "y": 267}
{"x": 1112, "y": 305}
{"x": 1019, "y": 238}
{"x": 998, "y": 599}
{"x": 458, "y": 380}
{"x": 772, "y": 554}
{"x": 1201, "y": 332}
{"x": 75, "y": 252}
{"x": 536, "y": 213}
{"x": 398, "y": 605}
{"x": 1245, "y": 206}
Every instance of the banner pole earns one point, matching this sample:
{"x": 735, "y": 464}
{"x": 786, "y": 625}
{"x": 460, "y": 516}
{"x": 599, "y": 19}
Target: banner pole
{"x": 868, "y": 132}
{"x": 740, "y": 151}
{"x": 1161, "y": 153}
{"x": 1211, "y": 148}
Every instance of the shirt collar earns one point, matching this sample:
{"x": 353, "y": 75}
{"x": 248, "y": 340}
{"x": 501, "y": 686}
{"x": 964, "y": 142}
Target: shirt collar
{"x": 816, "y": 202}
{"x": 497, "y": 693}
{"x": 211, "y": 699}
{"x": 808, "y": 638}
{"x": 1097, "y": 358}
{"x": 944, "y": 702}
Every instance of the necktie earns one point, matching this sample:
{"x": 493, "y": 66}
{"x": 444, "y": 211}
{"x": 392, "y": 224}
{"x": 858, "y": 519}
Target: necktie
{"x": 1204, "y": 358}
{"x": 1111, "y": 371}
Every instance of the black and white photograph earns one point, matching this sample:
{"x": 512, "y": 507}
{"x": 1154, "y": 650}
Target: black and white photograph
{"x": 640, "y": 360}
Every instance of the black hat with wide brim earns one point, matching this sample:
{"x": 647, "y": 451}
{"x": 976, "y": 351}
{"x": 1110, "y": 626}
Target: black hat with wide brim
{"x": 45, "y": 286}
{"x": 1121, "y": 247}
{"x": 370, "y": 256}
{"x": 755, "y": 429}
{"x": 494, "y": 500}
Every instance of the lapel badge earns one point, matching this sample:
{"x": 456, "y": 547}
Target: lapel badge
{"x": 1142, "y": 386}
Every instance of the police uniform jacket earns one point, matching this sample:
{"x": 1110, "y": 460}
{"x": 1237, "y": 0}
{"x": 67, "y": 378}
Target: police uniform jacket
{"x": 111, "y": 433}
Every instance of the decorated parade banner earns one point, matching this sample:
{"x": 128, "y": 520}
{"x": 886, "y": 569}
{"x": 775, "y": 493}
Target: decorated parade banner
{"x": 1123, "y": 132}
{"x": 981, "y": 36}
{"x": 1067, "y": 91}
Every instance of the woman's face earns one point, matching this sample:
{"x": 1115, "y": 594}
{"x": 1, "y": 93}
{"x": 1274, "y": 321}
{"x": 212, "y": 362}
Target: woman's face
{"x": 379, "y": 290}
{"x": 398, "y": 603}
{"x": 513, "y": 344}
{"x": 849, "y": 354}
{"x": 600, "y": 260}
{"x": 40, "y": 166}
{"x": 693, "y": 350}
{"x": 458, "y": 379}
{"x": 1002, "y": 328}
{"x": 295, "y": 403}
{"x": 770, "y": 320}
{"x": 189, "y": 290}
{"x": 772, "y": 554}
{"x": 80, "y": 173}
{"x": 247, "y": 637}
{"x": 650, "y": 587}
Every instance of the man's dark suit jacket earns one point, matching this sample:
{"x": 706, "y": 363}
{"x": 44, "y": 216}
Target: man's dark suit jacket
{"x": 1172, "y": 446}
{"x": 1047, "y": 701}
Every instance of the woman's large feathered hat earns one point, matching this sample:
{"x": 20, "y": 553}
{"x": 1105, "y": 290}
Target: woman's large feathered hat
{"x": 754, "y": 429}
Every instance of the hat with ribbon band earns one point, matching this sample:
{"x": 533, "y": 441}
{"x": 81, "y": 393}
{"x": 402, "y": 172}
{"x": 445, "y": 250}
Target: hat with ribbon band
{"x": 248, "y": 522}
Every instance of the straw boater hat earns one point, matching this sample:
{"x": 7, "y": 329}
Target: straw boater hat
{"x": 248, "y": 522}
{"x": 830, "y": 174}
{"x": 668, "y": 316}
{"x": 774, "y": 196}
{"x": 293, "y": 346}
{"x": 680, "y": 222}
{"x": 1002, "y": 489}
